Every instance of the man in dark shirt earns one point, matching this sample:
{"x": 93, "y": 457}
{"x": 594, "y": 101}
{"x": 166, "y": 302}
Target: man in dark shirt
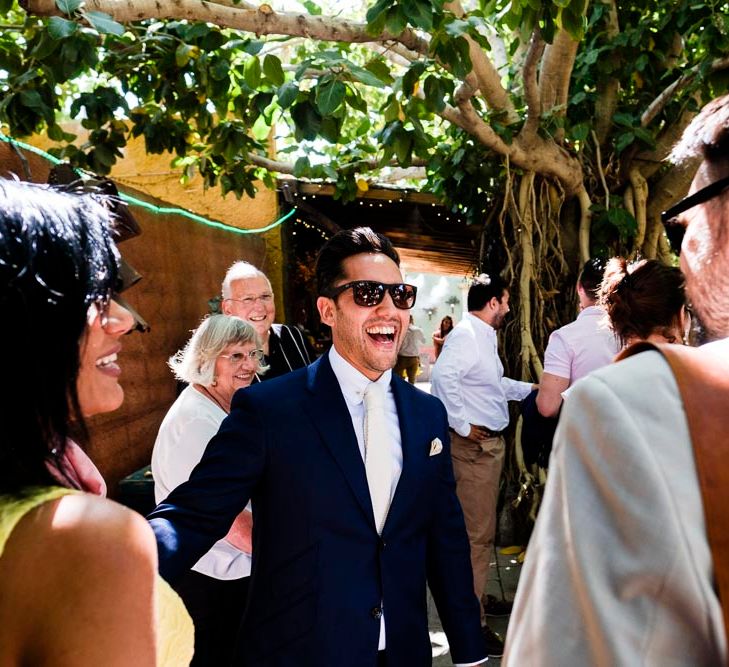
{"x": 247, "y": 294}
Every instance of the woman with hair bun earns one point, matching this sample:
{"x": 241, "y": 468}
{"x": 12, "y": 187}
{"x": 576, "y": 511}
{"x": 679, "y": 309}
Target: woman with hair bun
{"x": 645, "y": 301}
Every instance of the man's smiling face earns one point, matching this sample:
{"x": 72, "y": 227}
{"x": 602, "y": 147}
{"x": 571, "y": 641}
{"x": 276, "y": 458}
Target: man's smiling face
{"x": 252, "y": 299}
{"x": 368, "y": 338}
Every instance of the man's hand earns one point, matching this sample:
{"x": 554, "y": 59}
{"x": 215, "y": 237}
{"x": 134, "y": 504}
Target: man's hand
{"x": 478, "y": 433}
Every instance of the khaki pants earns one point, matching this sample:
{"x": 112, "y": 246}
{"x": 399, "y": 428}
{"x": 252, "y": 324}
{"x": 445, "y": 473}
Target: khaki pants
{"x": 477, "y": 467}
{"x": 408, "y": 367}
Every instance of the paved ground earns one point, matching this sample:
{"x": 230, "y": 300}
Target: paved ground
{"x": 509, "y": 570}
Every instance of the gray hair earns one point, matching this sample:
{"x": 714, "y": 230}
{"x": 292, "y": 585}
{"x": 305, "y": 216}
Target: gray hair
{"x": 195, "y": 363}
{"x": 241, "y": 271}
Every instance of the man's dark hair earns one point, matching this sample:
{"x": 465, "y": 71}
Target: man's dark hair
{"x": 344, "y": 244}
{"x": 591, "y": 276}
{"x": 57, "y": 258}
{"x": 483, "y": 289}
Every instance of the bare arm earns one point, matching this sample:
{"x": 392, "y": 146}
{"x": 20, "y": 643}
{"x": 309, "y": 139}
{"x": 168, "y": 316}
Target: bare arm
{"x": 84, "y": 576}
{"x": 549, "y": 398}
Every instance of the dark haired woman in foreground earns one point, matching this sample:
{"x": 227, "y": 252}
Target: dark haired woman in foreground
{"x": 78, "y": 583}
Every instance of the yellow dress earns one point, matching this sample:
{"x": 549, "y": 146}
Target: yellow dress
{"x": 175, "y": 632}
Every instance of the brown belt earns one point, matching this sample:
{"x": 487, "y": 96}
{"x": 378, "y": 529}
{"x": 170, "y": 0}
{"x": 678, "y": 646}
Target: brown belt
{"x": 489, "y": 432}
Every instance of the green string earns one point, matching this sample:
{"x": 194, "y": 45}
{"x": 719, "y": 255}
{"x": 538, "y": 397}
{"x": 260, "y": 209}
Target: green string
{"x": 158, "y": 210}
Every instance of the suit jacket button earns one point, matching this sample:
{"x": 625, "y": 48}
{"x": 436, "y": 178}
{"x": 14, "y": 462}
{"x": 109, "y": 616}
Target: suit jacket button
{"x": 377, "y": 613}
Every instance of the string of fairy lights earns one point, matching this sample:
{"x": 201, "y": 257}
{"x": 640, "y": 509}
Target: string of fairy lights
{"x": 313, "y": 228}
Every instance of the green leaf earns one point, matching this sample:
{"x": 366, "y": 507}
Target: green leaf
{"x": 331, "y": 128}
{"x": 273, "y": 70}
{"x": 252, "y": 72}
{"x": 572, "y": 23}
{"x": 312, "y": 7}
{"x": 307, "y": 120}
{"x": 624, "y": 119}
{"x": 329, "y": 96}
{"x": 5, "y": 6}
{"x": 419, "y": 13}
{"x": 434, "y": 94}
{"x": 32, "y": 99}
{"x": 287, "y": 94}
{"x": 456, "y": 28}
{"x": 59, "y": 28}
{"x": 403, "y": 148}
{"x": 103, "y": 23}
{"x": 183, "y": 53}
{"x": 396, "y": 20}
{"x": 355, "y": 100}
{"x": 580, "y": 131}
{"x": 301, "y": 167}
{"x": 378, "y": 10}
{"x": 623, "y": 141}
{"x": 68, "y": 7}
{"x": 365, "y": 76}
{"x": 380, "y": 69}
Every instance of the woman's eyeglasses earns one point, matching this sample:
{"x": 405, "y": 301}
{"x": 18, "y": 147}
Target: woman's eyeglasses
{"x": 240, "y": 357}
{"x": 369, "y": 293}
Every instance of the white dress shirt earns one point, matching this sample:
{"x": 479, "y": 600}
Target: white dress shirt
{"x": 353, "y": 385}
{"x": 580, "y": 347}
{"x": 187, "y": 428}
{"x": 411, "y": 342}
{"x": 468, "y": 377}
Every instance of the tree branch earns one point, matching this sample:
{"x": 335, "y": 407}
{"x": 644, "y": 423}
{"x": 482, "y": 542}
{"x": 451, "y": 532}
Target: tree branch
{"x": 657, "y": 105}
{"x": 261, "y": 21}
{"x": 554, "y": 80}
{"x": 487, "y": 79}
{"x": 531, "y": 85}
{"x": 640, "y": 198}
{"x": 608, "y": 87}
{"x": 585, "y": 220}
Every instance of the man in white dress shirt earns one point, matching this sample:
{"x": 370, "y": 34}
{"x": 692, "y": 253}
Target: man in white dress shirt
{"x": 578, "y": 348}
{"x": 468, "y": 377}
{"x": 619, "y": 569}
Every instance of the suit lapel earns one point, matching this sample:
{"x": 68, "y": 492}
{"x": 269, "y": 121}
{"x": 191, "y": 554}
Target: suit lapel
{"x": 328, "y": 410}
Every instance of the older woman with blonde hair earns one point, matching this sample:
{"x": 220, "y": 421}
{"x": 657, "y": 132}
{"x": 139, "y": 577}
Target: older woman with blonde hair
{"x": 222, "y": 356}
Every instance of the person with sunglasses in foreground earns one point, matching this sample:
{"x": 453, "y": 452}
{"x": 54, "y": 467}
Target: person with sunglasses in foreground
{"x": 629, "y": 560}
{"x": 349, "y": 471}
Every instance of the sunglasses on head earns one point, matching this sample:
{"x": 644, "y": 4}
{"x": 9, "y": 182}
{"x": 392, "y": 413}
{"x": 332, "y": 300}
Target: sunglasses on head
{"x": 675, "y": 230}
{"x": 370, "y": 293}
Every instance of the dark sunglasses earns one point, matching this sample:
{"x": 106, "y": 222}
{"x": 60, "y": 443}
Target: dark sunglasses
{"x": 674, "y": 230}
{"x": 369, "y": 293}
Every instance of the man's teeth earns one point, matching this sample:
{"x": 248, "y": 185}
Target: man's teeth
{"x": 256, "y": 318}
{"x": 381, "y": 330}
{"x": 105, "y": 361}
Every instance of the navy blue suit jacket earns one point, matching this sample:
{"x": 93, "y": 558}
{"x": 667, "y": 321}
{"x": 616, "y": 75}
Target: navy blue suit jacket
{"x": 320, "y": 570}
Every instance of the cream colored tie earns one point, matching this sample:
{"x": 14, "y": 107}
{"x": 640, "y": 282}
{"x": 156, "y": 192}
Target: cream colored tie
{"x": 378, "y": 454}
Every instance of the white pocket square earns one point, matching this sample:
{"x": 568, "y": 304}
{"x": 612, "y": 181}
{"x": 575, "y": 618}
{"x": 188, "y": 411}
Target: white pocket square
{"x": 436, "y": 446}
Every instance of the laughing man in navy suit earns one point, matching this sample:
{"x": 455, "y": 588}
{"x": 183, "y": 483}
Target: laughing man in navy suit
{"x": 354, "y": 500}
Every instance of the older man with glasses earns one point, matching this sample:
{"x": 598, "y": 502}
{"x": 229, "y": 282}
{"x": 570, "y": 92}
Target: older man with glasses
{"x": 354, "y": 501}
{"x": 247, "y": 294}
{"x": 629, "y": 560}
